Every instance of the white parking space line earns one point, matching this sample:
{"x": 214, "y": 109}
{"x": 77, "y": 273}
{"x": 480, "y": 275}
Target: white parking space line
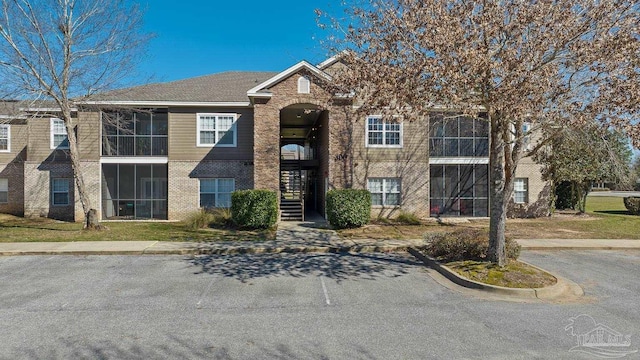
{"x": 324, "y": 289}
{"x": 206, "y": 291}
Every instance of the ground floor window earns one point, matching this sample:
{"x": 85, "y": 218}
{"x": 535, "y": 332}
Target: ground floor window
{"x": 459, "y": 190}
{"x": 134, "y": 191}
{"x": 4, "y": 191}
{"x": 60, "y": 192}
{"x": 520, "y": 190}
{"x": 216, "y": 193}
{"x": 384, "y": 191}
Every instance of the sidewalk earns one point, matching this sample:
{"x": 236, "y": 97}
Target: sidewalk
{"x": 290, "y": 238}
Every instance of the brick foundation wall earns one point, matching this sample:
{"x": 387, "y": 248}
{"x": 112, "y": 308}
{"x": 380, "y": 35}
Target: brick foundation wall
{"x": 14, "y": 173}
{"x": 539, "y": 192}
{"x": 184, "y": 185}
{"x": 37, "y": 190}
{"x": 91, "y": 171}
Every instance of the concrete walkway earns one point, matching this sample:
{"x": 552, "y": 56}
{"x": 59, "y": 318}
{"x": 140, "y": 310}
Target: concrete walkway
{"x": 313, "y": 235}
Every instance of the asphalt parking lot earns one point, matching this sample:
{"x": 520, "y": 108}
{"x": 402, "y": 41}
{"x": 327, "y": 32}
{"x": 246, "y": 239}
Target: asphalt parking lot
{"x": 296, "y": 306}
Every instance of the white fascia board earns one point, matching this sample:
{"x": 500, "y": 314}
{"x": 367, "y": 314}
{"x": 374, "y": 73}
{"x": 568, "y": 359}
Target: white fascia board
{"x": 170, "y": 103}
{"x": 134, "y": 160}
{"x": 12, "y": 117}
{"x": 260, "y": 95}
{"x": 458, "y": 160}
{"x": 285, "y": 74}
{"x": 33, "y": 109}
{"x": 330, "y": 61}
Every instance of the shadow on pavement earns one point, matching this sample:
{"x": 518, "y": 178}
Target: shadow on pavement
{"x": 177, "y": 348}
{"x": 333, "y": 266}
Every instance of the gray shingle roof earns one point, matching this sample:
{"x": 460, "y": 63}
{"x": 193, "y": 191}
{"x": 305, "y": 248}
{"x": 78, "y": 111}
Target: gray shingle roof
{"x": 222, "y": 87}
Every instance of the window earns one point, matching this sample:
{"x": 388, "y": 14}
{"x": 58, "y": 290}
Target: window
{"x": 384, "y": 192}
{"x": 59, "y": 192}
{"x": 304, "y": 85}
{"x": 452, "y": 135}
{"x": 383, "y": 133}
{"x": 4, "y": 191}
{"x": 217, "y": 130}
{"x": 216, "y": 193}
{"x": 520, "y": 190}
{"x": 59, "y": 139}
{"x": 5, "y": 138}
{"x": 139, "y": 133}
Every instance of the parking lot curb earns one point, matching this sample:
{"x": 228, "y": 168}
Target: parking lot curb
{"x": 563, "y": 287}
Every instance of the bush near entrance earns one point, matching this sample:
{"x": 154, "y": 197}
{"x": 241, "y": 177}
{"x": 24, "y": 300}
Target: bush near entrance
{"x": 465, "y": 244}
{"x": 348, "y": 208}
{"x": 254, "y": 209}
{"x": 632, "y": 204}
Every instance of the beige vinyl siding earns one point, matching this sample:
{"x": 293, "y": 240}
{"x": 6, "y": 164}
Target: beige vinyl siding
{"x": 18, "y": 142}
{"x": 415, "y": 140}
{"x": 39, "y": 148}
{"x": 89, "y": 135}
{"x": 182, "y": 135}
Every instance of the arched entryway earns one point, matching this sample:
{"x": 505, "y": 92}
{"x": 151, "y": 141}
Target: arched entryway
{"x": 303, "y": 161}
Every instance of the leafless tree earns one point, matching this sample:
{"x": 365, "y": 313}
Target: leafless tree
{"x": 63, "y": 52}
{"x": 548, "y": 63}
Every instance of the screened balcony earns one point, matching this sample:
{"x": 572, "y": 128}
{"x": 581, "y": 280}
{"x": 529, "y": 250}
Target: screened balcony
{"x": 128, "y": 133}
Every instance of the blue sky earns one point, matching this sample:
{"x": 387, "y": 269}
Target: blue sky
{"x": 199, "y": 37}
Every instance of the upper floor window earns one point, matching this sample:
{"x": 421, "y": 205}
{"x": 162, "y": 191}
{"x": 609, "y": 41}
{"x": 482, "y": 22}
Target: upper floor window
{"x": 5, "y": 138}
{"x": 217, "y": 130}
{"x": 4, "y": 191}
{"x": 383, "y": 133}
{"x": 304, "y": 85}
{"x": 59, "y": 138}
{"x": 452, "y": 135}
{"x": 129, "y": 133}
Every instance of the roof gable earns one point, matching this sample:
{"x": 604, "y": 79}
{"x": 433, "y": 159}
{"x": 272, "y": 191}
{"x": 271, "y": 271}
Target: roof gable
{"x": 259, "y": 90}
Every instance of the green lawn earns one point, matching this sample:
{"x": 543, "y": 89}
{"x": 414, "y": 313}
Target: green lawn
{"x": 606, "y": 218}
{"x": 16, "y": 229}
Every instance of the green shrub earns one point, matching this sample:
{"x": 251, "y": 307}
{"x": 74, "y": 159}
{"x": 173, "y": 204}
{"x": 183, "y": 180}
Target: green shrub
{"x": 408, "y": 218}
{"x": 632, "y": 204}
{"x": 348, "y": 208}
{"x": 199, "y": 219}
{"x": 466, "y": 244}
{"x": 254, "y": 209}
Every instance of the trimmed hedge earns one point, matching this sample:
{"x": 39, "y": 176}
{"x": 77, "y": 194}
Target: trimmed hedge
{"x": 348, "y": 208}
{"x": 632, "y": 204}
{"x": 466, "y": 244}
{"x": 254, "y": 209}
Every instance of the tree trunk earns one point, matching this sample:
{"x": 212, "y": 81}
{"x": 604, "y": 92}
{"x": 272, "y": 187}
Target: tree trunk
{"x": 497, "y": 200}
{"x": 90, "y": 220}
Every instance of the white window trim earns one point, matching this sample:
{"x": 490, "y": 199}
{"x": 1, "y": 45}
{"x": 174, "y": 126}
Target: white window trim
{"x": 384, "y": 194}
{"x": 216, "y": 192}
{"x": 55, "y": 192}
{"x": 304, "y": 85}
{"x": 384, "y": 131}
{"x": 234, "y": 127}
{"x": 525, "y": 191}
{"x": 2, "y": 189}
{"x": 51, "y": 128}
{"x": 8, "y": 127}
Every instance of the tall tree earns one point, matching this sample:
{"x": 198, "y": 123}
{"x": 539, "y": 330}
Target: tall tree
{"x": 64, "y": 50}
{"x": 538, "y": 62}
{"x": 582, "y": 156}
